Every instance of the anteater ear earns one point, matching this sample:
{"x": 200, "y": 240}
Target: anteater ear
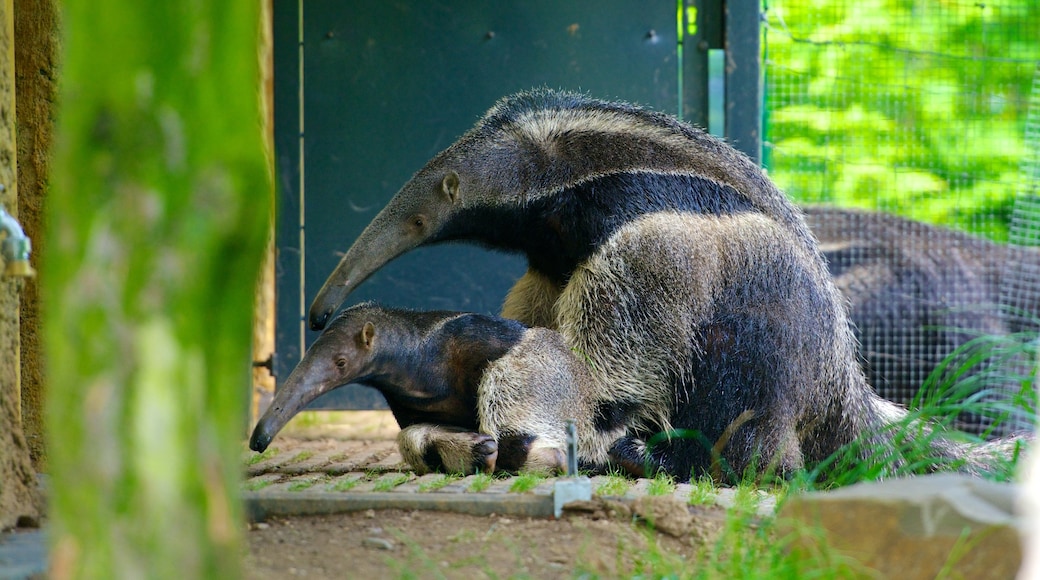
{"x": 366, "y": 336}
{"x": 450, "y": 186}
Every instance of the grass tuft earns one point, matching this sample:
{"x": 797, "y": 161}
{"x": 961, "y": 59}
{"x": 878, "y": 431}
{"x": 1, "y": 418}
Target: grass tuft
{"x": 661, "y": 484}
{"x": 526, "y": 482}
{"x": 390, "y": 481}
{"x": 481, "y": 481}
{"x": 615, "y": 486}
{"x": 347, "y": 484}
{"x": 439, "y": 483}
{"x": 267, "y": 454}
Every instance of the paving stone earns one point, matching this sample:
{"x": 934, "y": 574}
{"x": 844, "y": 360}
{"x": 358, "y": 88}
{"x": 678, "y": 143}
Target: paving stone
{"x": 344, "y": 482}
{"x": 599, "y": 481}
{"x": 313, "y": 463}
{"x": 363, "y": 458}
{"x": 546, "y": 487}
{"x": 638, "y": 489}
{"x": 391, "y": 462}
{"x": 261, "y": 481}
{"x": 414, "y": 485}
{"x": 499, "y": 486}
{"x": 23, "y": 554}
{"x": 391, "y": 481}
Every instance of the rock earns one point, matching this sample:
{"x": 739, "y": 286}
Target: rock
{"x": 378, "y": 543}
{"x": 913, "y": 528}
{"x": 599, "y": 508}
{"x": 1029, "y": 508}
{"x": 665, "y": 514}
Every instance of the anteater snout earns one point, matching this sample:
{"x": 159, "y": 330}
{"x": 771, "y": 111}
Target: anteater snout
{"x": 320, "y": 319}
{"x": 260, "y": 439}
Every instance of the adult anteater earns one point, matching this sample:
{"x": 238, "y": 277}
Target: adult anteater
{"x": 688, "y": 283}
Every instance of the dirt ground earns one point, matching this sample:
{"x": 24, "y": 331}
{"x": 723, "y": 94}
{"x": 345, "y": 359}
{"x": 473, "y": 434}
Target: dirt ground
{"x": 606, "y": 540}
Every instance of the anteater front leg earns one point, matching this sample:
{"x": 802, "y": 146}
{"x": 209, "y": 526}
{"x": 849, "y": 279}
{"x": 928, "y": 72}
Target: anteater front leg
{"x": 427, "y": 447}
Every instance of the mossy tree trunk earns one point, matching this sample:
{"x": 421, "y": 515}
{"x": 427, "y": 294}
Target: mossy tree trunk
{"x": 18, "y": 497}
{"x": 156, "y": 224}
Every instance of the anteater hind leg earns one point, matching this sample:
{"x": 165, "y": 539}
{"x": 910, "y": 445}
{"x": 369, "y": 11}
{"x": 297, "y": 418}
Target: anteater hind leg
{"x": 774, "y": 451}
{"x": 429, "y": 447}
{"x": 531, "y": 301}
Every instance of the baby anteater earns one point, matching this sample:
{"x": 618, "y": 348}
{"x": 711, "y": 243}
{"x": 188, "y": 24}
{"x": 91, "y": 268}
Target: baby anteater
{"x": 470, "y": 392}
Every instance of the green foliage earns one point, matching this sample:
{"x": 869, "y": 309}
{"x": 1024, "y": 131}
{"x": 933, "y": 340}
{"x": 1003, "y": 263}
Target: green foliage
{"x": 963, "y": 383}
{"x": 157, "y": 218}
{"x": 913, "y": 108}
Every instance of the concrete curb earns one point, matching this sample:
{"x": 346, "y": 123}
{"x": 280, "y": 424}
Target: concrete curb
{"x": 260, "y": 506}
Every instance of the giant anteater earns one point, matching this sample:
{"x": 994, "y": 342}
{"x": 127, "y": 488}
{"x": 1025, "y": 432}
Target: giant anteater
{"x": 687, "y": 282}
{"x": 470, "y": 392}
{"x": 918, "y": 293}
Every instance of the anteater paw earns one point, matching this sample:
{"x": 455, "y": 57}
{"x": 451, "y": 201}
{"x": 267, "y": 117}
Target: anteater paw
{"x": 455, "y": 450}
{"x": 467, "y": 453}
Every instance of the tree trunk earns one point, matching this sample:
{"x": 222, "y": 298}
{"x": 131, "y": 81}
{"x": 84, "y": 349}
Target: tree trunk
{"x": 156, "y": 223}
{"x": 36, "y": 67}
{"x": 18, "y": 495}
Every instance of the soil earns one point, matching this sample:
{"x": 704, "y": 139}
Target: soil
{"x": 605, "y": 538}
{"x": 600, "y": 539}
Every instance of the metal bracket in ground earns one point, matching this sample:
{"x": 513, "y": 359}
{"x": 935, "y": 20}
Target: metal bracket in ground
{"x": 572, "y": 487}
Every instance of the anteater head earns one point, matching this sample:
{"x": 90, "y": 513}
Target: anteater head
{"x": 528, "y": 150}
{"x": 343, "y": 354}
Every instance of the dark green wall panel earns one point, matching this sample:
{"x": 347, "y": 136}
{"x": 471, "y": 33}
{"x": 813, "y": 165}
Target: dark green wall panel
{"x": 386, "y": 85}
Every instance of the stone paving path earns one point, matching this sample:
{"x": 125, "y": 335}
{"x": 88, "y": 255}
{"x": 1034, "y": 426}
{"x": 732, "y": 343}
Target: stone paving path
{"x": 306, "y": 477}
{"x": 322, "y": 471}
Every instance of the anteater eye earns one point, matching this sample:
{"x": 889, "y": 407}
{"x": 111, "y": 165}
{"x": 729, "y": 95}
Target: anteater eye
{"x": 341, "y": 363}
{"x": 418, "y": 221}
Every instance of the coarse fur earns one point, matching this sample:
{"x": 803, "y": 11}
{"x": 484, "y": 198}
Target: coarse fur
{"x": 690, "y": 285}
{"x": 918, "y": 292}
{"x": 470, "y": 392}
